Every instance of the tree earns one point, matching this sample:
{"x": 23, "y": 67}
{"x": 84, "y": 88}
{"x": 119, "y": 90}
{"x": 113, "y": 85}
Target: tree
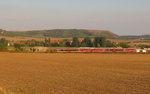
{"x": 102, "y": 41}
{"x": 141, "y": 46}
{"x": 19, "y": 46}
{"x": 75, "y": 42}
{"x": 31, "y": 43}
{"x": 64, "y": 43}
{"x": 54, "y": 44}
{"x": 96, "y": 42}
{"x": 124, "y": 45}
{"x": 83, "y": 44}
{"x": 110, "y": 44}
{"x": 99, "y": 42}
{"x": 47, "y": 42}
{"x": 3, "y": 44}
{"x": 68, "y": 44}
{"x": 39, "y": 43}
{"x": 87, "y": 42}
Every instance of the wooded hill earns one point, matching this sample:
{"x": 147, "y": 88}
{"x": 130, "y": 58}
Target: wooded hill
{"x": 59, "y": 33}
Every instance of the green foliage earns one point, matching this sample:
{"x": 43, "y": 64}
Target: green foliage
{"x": 47, "y": 42}
{"x": 54, "y": 45}
{"x": 99, "y": 42}
{"x": 64, "y": 43}
{"x": 68, "y": 44}
{"x": 75, "y": 42}
{"x": 83, "y": 44}
{"x": 124, "y": 45}
{"x": 110, "y": 44}
{"x": 19, "y": 47}
{"x": 3, "y": 44}
{"x": 87, "y": 42}
{"x": 141, "y": 46}
{"x": 31, "y": 43}
{"x": 102, "y": 41}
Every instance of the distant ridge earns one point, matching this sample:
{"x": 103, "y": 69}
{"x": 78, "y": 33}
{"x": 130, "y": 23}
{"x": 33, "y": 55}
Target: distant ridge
{"x": 103, "y": 32}
{"x": 136, "y": 37}
{"x": 59, "y": 33}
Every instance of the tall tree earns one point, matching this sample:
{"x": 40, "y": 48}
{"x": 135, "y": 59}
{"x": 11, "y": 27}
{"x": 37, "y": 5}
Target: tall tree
{"x": 87, "y": 42}
{"x": 47, "y": 42}
{"x": 110, "y": 44}
{"x": 3, "y": 43}
{"x": 68, "y": 44}
{"x": 100, "y": 42}
{"x": 96, "y": 42}
{"x": 124, "y": 45}
{"x": 62, "y": 43}
{"x": 75, "y": 42}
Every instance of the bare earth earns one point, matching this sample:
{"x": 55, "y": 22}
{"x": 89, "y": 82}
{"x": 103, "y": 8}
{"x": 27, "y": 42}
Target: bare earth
{"x": 39, "y": 73}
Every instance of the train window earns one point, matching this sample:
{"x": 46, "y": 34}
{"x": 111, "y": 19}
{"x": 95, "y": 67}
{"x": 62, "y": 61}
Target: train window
{"x": 119, "y": 49}
{"x": 84, "y": 49}
{"x": 74, "y": 50}
{"x": 130, "y": 49}
{"x": 64, "y": 50}
{"x": 108, "y": 49}
{"x": 98, "y": 49}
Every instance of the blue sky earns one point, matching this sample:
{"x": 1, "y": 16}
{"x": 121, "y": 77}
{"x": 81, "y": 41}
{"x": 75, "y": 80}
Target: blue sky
{"x": 123, "y": 17}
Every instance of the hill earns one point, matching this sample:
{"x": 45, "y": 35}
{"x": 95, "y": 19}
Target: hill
{"x": 143, "y": 37}
{"x": 59, "y": 33}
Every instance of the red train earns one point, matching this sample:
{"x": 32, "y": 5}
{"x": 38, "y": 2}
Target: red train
{"x": 96, "y": 50}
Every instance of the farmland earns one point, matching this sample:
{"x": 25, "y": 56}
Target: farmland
{"x": 43, "y": 73}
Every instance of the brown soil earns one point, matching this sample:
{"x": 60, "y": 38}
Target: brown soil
{"x": 39, "y": 73}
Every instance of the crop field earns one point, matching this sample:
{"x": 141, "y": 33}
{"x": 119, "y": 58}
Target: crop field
{"x": 56, "y": 73}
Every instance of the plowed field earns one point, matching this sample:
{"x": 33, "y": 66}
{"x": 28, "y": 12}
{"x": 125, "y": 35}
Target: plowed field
{"x": 41, "y": 73}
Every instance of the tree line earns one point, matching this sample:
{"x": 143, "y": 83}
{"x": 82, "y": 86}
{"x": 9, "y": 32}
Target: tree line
{"x": 74, "y": 42}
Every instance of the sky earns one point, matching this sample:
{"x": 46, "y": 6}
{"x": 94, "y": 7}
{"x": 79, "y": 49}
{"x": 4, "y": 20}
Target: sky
{"x": 123, "y": 17}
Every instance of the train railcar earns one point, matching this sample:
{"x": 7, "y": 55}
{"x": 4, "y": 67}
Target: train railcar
{"x": 97, "y": 50}
{"x": 85, "y": 50}
{"x": 114, "y": 50}
{"x": 131, "y": 50}
{"x": 68, "y": 50}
